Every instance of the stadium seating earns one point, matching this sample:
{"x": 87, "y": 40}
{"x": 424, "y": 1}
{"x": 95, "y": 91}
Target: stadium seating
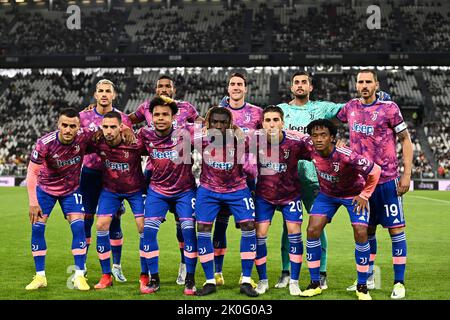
{"x": 30, "y": 102}
{"x": 197, "y": 28}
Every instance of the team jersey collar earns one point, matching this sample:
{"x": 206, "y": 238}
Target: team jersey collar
{"x": 306, "y": 105}
{"x": 102, "y": 115}
{"x": 240, "y": 108}
{"x": 369, "y": 105}
{"x": 170, "y": 134}
{"x": 330, "y": 155}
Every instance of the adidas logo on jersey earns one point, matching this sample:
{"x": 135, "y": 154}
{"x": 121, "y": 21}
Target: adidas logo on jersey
{"x": 396, "y": 220}
{"x": 362, "y": 218}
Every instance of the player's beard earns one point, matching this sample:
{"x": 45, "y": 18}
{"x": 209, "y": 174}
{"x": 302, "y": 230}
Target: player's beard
{"x": 301, "y": 96}
{"x": 370, "y": 93}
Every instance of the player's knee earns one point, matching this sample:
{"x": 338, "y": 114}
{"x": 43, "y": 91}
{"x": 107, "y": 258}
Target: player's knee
{"x": 394, "y": 231}
{"x": 102, "y": 225}
{"x": 202, "y": 227}
{"x": 88, "y": 217}
{"x": 360, "y": 234}
{"x": 247, "y": 225}
{"x": 314, "y": 231}
{"x": 261, "y": 234}
{"x": 293, "y": 228}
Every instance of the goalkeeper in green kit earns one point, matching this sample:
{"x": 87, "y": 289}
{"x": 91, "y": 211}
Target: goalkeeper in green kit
{"x": 298, "y": 113}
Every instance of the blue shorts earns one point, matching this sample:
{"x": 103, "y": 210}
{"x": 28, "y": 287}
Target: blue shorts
{"x": 110, "y": 202}
{"x": 157, "y": 204}
{"x": 386, "y": 206}
{"x": 209, "y": 203}
{"x": 70, "y": 204}
{"x": 90, "y": 187}
{"x": 327, "y": 206}
{"x": 292, "y": 212}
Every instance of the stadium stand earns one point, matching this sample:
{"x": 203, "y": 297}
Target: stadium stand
{"x": 32, "y": 101}
{"x": 275, "y": 27}
{"x": 184, "y": 30}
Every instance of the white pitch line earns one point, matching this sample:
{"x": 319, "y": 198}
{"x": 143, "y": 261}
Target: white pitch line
{"x": 437, "y": 200}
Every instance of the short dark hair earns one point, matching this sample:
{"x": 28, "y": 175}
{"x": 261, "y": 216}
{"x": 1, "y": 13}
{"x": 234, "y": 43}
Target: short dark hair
{"x": 373, "y": 72}
{"x": 274, "y": 108}
{"x": 218, "y": 110}
{"x": 158, "y": 101}
{"x": 301, "y": 73}
{"x": 239, "y": 75}
{"x": 113, "y": 115}
{"x": 322, "y": 123}
{"x": 69, "y": 113}
{"x": 166, "y": 77}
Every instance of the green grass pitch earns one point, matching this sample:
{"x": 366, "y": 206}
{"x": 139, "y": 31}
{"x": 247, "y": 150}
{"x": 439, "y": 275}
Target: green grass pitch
{"x": 427, "y": 274}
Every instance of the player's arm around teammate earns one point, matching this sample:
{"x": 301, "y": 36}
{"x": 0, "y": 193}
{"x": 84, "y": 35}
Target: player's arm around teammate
{"x": 278, "y": 187}
{"x": 53, "y": 175}
{"x": 223, "y": 182}
{"x": 122, "y": 180}
{"x": 172, "y": 186}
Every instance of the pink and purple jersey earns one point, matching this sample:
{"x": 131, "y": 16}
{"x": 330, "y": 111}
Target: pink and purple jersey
{"x": 248, "y": 117}
{"x": 171, "y": 163}
{"x": 343, "y": 173}
{"x": 92, "y": 119}
{"x": 186, "y": 114}
{"x": 373, "y": 130}
{"x": 61, "y": 163}
{"x": 279, "y": 184}
{"x": 122, "y": 168}
{"x": 221, "y": 170}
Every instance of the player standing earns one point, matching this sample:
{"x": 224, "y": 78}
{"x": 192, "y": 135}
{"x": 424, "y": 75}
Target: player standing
{"x": 172, "y": 186}
{"x": 298, "y": 113}
{"x": 54, "y": 175}
{"x": 187, "y": 113}
{"x": 223, "y": 182}
{"x": 374, "y": 126}
{"x": 122, "y": 179}
{"x": 247, "y": 117}
{"x": 346, "y": 178}
{"x": 278, "y": 187}
{"x": 91, "y": 173}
